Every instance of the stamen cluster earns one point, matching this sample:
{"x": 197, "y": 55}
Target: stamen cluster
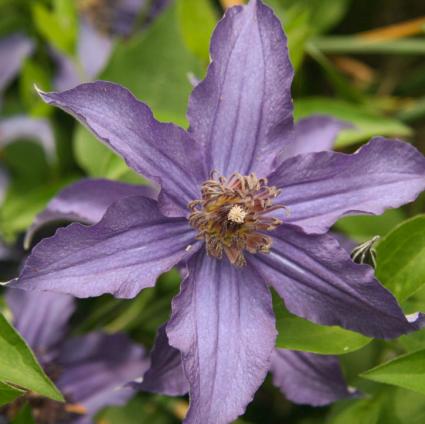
{"x": 233, "y": 214}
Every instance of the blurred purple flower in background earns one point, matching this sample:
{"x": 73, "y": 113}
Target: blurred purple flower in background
{"x": 13, "y": 52}
{"x": 90, "y": 370}
{"x": 14, "y": 49}
{"x": 101, "y": 23}
{"x": 235, "y": 233}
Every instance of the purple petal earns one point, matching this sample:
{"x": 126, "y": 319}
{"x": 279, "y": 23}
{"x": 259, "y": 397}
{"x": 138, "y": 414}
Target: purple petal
{"x": 166, "y": 374}
{"x": 307, "y": 378}
{"x": 96, "y": 369}
{"x": 8, "y": 253}
{"x": 24, "y": 128}
{"x": 346, "y": 243}
{"x": 242, "y": 111}
{"x": 319, "y": 188}
{"x": 13, "y": 51}
{"x": 85, "y": 201}
{"x": 156, "y": 8}
{"x": 313, "y": 134}
{"x": 125, "y": 16}
{"x": 318, "y": 281}
{"x": 124, "y": 253}
{"x": 94, "y": 49}
{"x": 223, "y": 324}
{"x": 41, "y": 319}
{"x": 162, "y": 152}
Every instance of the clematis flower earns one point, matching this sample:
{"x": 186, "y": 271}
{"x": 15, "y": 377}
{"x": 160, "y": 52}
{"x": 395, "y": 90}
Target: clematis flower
{"x": 90, "y": 370}
{"x": 14, "y": 49}
{"x": 303, "y": 377}
{"x": 236, "y": 211}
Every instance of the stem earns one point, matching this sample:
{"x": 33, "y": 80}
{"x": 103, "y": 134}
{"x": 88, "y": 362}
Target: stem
{"x": 350, "y": 44}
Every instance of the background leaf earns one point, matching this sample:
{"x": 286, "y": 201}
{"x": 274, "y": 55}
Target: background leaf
{"x": 99, "y": 160}
{"x": 299, "y": 334}
{"x": 365, "y": 411}
{"x": 8, "y": 393}
{"x": 21, "y": 206}
{"x": 367, "y": 123}
{"x": 19, "y": 366}
{"x": 197, "y": 17}
{"x": 24, "y": 416}
{"x": 364, "y": 227}
{"x": 297, "y": 26}
{"x": 155, "y": 65}
{"x": 57, "y": 26}
{"x": 400, "y": 258}
{"x": 407, "y": 371}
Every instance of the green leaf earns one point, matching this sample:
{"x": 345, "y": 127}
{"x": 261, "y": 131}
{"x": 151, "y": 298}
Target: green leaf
{"x": 66, "y": 14}
{"x": 324, "y": 14}
{"x": 56, "y": 28}
{"x": 413, "y": 341}
{"x": 22, "y": 205}
{"x": 366, "y": 123}
{"x": 27, "y": 162}
{"x": 34, "y": 73}
{"x": 100, "y": 161}
{"x": 408, "y": 407}
{"x": 299, "y": 334}
{"x": 343, "y": 87}
{"x": 352, "y": 44}
{"x": 24, "y": 416}
{"x": 156, "y": 411}
{"x": 14, "y": 16}
{"x": 155, "y": 65}
{"x": 296, "y": 22}
{"x": 19, "y": 366}
{"x": 407, "y": 371}
{"x": 415, "y": 303}
{"x": 388, "y": 405}
{"x": 364, "y": 227}
{"x": 303, "y": 18}
{"x": 400, "y": 264}
{"x": 197, "y": 20}
{"x": 364, "y": 411}
{"x": 8, "y": 393}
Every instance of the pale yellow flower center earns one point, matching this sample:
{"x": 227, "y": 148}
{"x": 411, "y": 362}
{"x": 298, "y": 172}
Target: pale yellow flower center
{"x": 237, "y": 214}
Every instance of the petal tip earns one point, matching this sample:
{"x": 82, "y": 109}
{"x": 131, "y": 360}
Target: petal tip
{"x": 39, "y": 90}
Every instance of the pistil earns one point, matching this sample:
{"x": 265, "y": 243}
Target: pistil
{"x": 237, "y": 214}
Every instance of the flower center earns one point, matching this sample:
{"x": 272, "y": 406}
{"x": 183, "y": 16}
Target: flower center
{"x": 237, "y": 214}
{"x": 233, "y": 215}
